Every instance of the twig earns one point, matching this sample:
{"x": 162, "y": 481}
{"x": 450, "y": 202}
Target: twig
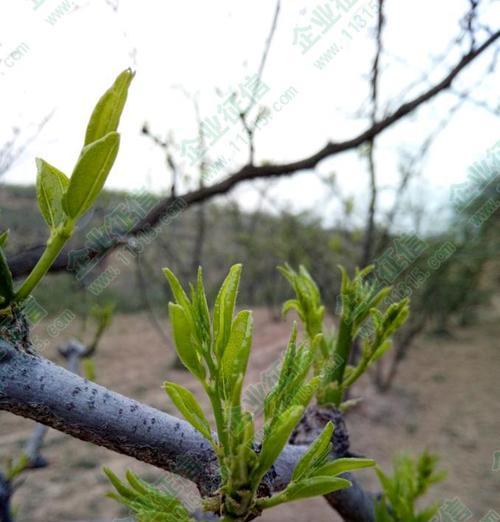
{"x": 22, "y": 264}
{"x": 250, "y": 129}
{"x": 369, "y": 238}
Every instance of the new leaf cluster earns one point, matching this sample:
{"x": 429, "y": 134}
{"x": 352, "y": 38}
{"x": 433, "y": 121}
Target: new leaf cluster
{"x": 214, "y": 345}
{"x": 363, "y": 320}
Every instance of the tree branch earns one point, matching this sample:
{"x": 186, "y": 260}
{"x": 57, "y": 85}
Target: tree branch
{"x": 369, "y": 238}
{"x": 72, "y": 351}
{"x": 22, "y": 264}
{"x": 36, "y": 388}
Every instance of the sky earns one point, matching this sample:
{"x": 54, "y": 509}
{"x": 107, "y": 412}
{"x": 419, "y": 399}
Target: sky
{"x": 58, "y": 56}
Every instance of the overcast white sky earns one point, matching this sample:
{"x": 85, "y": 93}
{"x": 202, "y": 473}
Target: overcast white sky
{"x": 208, "y": 49}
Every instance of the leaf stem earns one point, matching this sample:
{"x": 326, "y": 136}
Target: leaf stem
{"x": 269, "y": 502}
{"x": 54, "y": 246}
{"x": 218, "y": 415}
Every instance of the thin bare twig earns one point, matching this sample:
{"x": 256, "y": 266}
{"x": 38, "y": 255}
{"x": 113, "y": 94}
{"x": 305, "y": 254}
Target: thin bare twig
{"x": 369, "y": 238}
{"x": 250, "y": 128}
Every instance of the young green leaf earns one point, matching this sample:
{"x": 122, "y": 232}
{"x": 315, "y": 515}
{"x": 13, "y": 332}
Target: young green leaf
{"x": 120, "y": 486}
{"x": 293, "y": 304}
{"x": 51, "y": 185}
{"x": 402, "y": 490}
{"x": 185, "y": 347}
{"x": 343, "y": 465}
{"x": 316, "y": 455}
{"x": 139, "y": 485}
{"x": 315, "y": 486}
{"x": 224, "y": 308}
{"x": 276, "y": 439}
{"x": 308, "y": 299}
{"x": 395, "y": 316}
{"x": 90, "y": 174}
{"x": 202, "y": 298}
{"x": 148, "y": 503}
{"x": 200, "y": 311}
{"x": 277, "y": 398}
{"x": 292, "y": 388}
{"x": 179, "y": 293}
{"x": 305, "y": 392}
{"x": 235, "y": 358}
{"x": 189, "y": 407}
{"x": 106, "y": 115}
{"x": 159, "y": 506}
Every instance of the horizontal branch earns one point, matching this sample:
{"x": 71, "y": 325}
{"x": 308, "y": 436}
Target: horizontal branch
{"x": 72, "y": 351}
{"x": 22, "y": 263}
{"x": 36, "y": 388}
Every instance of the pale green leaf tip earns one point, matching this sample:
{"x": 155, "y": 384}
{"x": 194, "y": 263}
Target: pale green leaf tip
{"x": 171, "y": 305}
{"x": 236, "y": 268}
{"x": 107, "y": 471}
{"x": 129, "y": 71}
{"x": 169, "y": 275}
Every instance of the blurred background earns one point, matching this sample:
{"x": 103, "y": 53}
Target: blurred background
{"x": 324, "y": 133}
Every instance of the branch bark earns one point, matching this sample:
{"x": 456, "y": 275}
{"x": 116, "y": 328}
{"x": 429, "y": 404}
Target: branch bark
{"x": 5, "y": 498}
{"x": 72, "y": 351}
{"x": 36, "y": 388}
{"x": 22, "y": 264}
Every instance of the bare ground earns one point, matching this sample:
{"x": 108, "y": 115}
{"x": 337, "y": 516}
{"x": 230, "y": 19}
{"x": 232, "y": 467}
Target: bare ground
{"x": 446, "y": 398}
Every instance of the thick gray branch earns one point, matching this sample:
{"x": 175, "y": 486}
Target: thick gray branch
{"x": 72, "y": 351}
{"x": 34, "y": 387}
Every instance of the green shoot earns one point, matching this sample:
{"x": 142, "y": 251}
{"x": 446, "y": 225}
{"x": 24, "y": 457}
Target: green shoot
{"x": 361, "y": 319}
{"x": 411, "y": 480}
{"x": 148, "y": 503}
{"x": 15, "y": 468}
{"x": 215, "y": 347}
{"x": 62, "y": 200}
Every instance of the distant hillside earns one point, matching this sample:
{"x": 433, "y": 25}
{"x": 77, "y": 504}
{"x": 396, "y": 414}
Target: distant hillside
{"x": 261, "y": 241}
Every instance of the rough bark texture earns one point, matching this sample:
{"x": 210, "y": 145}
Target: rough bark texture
{"x": 312, "y": 424}
{"x": 34, "y": 387}
{"x": 72, "y": 352}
